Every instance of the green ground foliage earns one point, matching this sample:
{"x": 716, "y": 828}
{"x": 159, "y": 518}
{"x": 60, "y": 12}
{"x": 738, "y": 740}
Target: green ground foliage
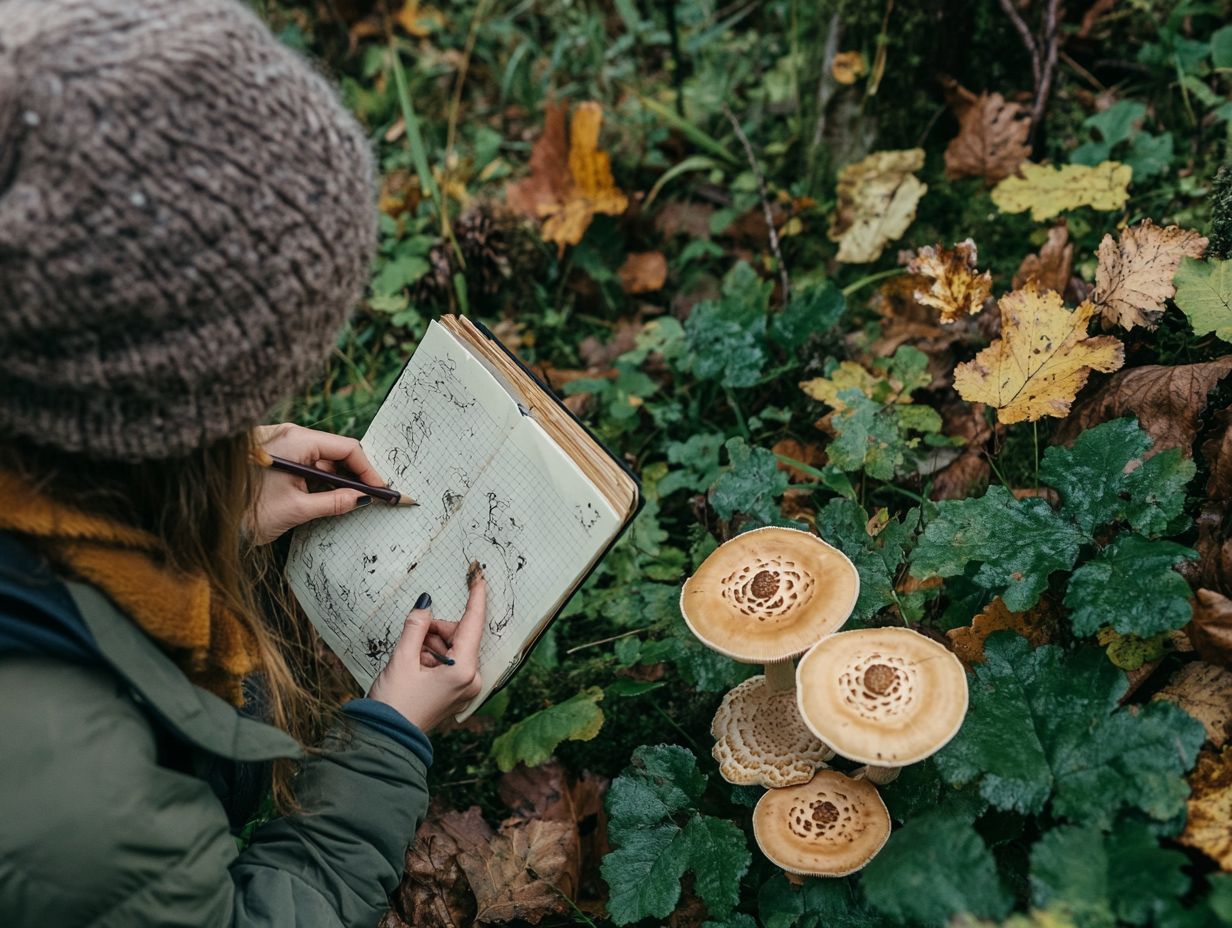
{"x": 1061, "y": 800}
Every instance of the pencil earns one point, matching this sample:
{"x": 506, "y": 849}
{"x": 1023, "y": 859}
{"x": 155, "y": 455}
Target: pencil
{"x": 441, "y": 657}
{"x": 263, "y": 458}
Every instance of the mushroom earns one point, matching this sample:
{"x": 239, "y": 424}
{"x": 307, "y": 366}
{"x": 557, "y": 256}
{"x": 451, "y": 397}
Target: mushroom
{"x": 830, "y": 826}
{"x": 761, "y": 740}
{"x": 767, "y": 595}
{"x": 885, "y": 697}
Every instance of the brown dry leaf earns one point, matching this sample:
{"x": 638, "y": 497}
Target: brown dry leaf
{"x": 643, "y": 272}
{"x": 434, "y": 891}
{"x": 848, "y": 67}
{"x": 524, "y": 873}
{"x": 1217, "y": 452}
{"x": 688, "y": 219}
{"x": 1135, "y": 275}
{"x": 1036, "y": 625}
{"x": 955, "y": 287}
{"x": 1042, "y": 359}
{"x": 811, "y": 454}
{"x": 992, "y": 137}
{"x": 877, "y": 198}
{"x": 597, "y": 354}
{"x": 1053, "y": 266}
{"x": 1209, "y": 824}
{"x": 968, "y": 473}
{"x": 568, "y": 185}
{"x": 1205, "y": 692}
{"x": 1210, "y": 630}
{"x": 1167, "y": 401}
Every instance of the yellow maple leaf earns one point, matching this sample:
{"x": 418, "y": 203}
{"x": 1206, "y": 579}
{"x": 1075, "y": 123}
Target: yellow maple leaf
{"x": 847, "y": 376}
{"x": 1042, "y": 359}
{"x": 956, "y": 286}
{"x": 877, "y": 198}
{"x": 1135, "y": 275}
{"x": 1049, "y": 190}
{"x": 591, "y": 189}
{"x": 1208, "y": 826}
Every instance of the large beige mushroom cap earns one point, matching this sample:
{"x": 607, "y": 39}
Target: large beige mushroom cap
{"x": 769, "y": 594}
{"x": 882, "y": 696}
{"x": 831, "y": 826}
{"x": 760, "y": 739}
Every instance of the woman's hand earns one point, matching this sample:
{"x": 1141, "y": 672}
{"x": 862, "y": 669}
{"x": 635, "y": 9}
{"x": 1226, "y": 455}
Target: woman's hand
{"x": 419, "y": 686}
{"x": 283, "y": 500}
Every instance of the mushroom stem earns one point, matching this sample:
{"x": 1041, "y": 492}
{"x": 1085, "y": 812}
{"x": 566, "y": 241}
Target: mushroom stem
{"x": 879, "y": 775}
{"x": 780, "y": 676}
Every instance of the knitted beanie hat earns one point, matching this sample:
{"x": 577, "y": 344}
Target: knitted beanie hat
{"x": 186, "y": 217}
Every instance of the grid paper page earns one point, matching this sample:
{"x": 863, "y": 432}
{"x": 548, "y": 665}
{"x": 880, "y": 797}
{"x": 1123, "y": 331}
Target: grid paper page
{"x": 492, "y": 487}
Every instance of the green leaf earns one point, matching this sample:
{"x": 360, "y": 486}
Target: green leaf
{"x": 1221, "y": 47}
{"x": 813, "y": 310}
{"x": 1046, "y": 723}
{"x": 1098, "y": 879}
{"x": 1103, "y": 479}
{"x": 1149, "y": 155}
{"x": 935, "y": 867}
{"x": 1016, "y": 543}
{"x": 752, "y": 484}
{"x": 643, "y": 874}
{"x": 695, "y": 463}
{"x": 662, "y": 781}
{"x": 1117, "y": 123}
{"x": 718, "y": 856}
{"x": 1131, "y": 585}
{"x": 724, "y": 337}
{"x": 1204, "y": 294}
{"x": 843, "y": 523}
{"x": 819, "y": 903}
{"x": 866, "y": 437}
{"x": 738, "y": 920}
{"x": 532, "y": 740}
{"x": 1129, "y": 652}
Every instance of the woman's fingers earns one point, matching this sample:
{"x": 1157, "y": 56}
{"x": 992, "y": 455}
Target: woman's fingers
{"x": 329, "y": 503}
{"x": 414, "y": 631}
{"x": 348, "y": 453}
{"x": 470, "y": 628}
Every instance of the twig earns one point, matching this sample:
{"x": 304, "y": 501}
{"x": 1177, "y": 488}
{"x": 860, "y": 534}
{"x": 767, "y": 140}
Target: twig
{"x": 826, "y": 85}
{"x": 1042, "y": 50}
{"x": 765, "y": 201}
{"x": 1024, "y": 33}
{"x": 608, "y": 640}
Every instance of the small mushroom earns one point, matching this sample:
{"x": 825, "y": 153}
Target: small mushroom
{"x": 886, "y": 697}
{"x": 760, "y": 739}
{"x": 830, "y": 826}
{"x": 766, "y": 596}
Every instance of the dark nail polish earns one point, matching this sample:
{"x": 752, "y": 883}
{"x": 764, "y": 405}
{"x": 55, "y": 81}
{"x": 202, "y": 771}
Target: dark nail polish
{"x": 424, "y": 601}
{"x": 363, "y": 501}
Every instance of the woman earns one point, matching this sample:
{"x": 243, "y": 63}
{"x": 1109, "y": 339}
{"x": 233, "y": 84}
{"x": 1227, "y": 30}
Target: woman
{"x": 185, "y": 220}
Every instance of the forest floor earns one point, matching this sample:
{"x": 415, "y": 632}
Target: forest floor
{"x": 946, "y": 283}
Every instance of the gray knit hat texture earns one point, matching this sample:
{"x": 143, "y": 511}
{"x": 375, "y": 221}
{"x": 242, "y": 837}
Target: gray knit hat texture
{"x": 186, "y": 217}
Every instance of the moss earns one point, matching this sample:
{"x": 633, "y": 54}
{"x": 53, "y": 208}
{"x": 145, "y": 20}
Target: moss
{"x": 1221, "y": 215}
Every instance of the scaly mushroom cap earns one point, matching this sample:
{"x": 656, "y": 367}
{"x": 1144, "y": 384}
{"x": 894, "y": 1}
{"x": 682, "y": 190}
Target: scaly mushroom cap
{"x": 831, "y": 826}
{"x": 760, "y": 739}
{"x": 883, "y": 696}
{"x": 769, "y": 594}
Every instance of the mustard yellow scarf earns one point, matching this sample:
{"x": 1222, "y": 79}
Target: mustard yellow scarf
{"x": 209, "y": 642}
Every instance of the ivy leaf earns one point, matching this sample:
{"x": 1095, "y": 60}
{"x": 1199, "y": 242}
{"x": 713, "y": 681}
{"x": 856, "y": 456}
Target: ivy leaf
{"x": 1098, "y": 878}
{"x": 822, "y": 903}
{"x": 532, "y": 740}
{"x": 751, "y": 485}
{"x": 1017, "y": 544}
{"x": 934, "y": 867}
{"x": 812, "y": 310}
{"x": 1131, "y": 585}
{"x": 723, "y": 337}
{"x": 843, "y": 523}
{"x": 1106, "y": 477}
{"x": 1031, "y": 733}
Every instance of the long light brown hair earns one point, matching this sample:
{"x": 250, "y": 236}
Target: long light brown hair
{"x": 196, "y": 506}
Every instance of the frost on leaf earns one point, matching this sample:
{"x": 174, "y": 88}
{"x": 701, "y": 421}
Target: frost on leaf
{"x": 1208, "y": 827}
{"x": 955, "y": 287}
{"x": 877, "y": 198}
{"x": 1048, "y": 190}
{"x": 992, "y": 136}
{"x": 1205, "y": 692}
{"x": 1041, "y": 361}
{"x": 1054, "y": 264}
{"x": 1035, "y": 624}
{"x": 1134, "y": 277}
{"x": 569, "y": 182}
{"x": 1204, "y": 295}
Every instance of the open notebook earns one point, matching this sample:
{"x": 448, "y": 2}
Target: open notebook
{"x": 504, "y": 475}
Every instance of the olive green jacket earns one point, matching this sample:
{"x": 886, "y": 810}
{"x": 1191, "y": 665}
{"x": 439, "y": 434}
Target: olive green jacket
{"x": 99, "y": 827}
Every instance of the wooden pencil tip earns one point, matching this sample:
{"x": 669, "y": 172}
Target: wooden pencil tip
{"x": 405, "y": 500}
{"x": 261, "y": 457}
